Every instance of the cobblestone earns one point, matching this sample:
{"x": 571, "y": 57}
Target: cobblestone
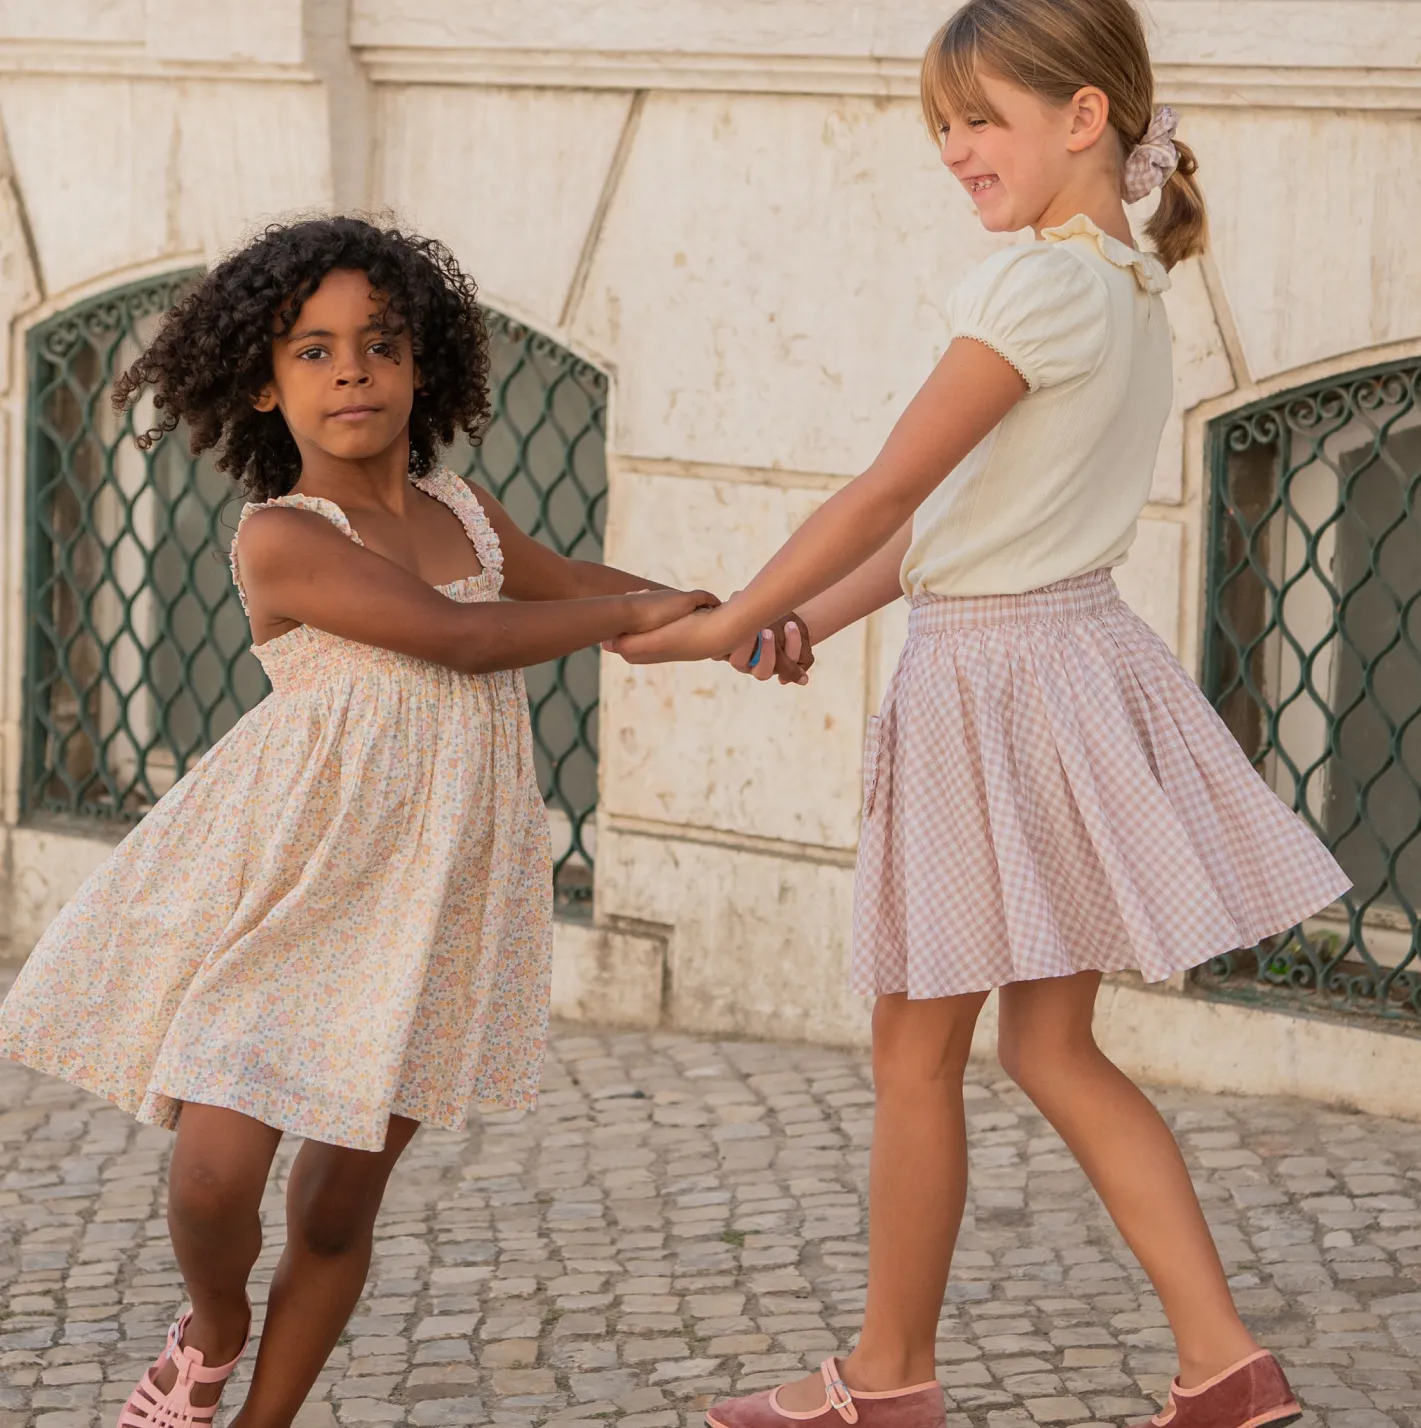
{"x": 685, "y": 1218}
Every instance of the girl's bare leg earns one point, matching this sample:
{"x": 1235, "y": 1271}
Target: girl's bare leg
{"x": 215, "y": 1181}
{"x": 331, "y": 1203}
{"x": 1124, "y": 1146}
{"x": 917, "y": 1191}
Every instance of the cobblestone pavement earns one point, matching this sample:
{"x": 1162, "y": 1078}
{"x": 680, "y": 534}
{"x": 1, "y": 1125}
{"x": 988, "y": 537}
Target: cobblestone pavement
{"x": 685, "y": 1217}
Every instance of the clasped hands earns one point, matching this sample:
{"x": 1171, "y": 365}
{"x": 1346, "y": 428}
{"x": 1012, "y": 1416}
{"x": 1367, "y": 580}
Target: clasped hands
{"x": 786, "y": 648}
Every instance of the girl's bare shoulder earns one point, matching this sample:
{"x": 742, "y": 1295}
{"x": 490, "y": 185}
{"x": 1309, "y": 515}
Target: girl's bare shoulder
{"x": 273, "y": 534}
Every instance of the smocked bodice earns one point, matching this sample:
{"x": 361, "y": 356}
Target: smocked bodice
{"x": 307, "y": 657}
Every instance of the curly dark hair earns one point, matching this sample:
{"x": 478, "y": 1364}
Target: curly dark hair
{"x": 212, "y": 354}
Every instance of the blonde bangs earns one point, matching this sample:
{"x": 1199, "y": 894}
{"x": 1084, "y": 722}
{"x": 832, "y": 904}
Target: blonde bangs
{"x": 951, "y": 77}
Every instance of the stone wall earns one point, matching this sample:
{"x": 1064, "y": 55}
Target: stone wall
{"x": 733, "y": 209}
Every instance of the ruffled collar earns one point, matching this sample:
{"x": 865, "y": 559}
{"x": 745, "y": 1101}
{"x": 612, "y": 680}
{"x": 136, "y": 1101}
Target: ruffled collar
{"x": 1150, "y": 273}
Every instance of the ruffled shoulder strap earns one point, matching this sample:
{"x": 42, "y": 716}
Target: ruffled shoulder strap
{"x": 318, "y": 504}
{"x": 456, "y": 493}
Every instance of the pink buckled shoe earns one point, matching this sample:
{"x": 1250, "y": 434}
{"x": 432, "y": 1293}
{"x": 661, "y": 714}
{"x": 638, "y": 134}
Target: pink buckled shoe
{"x": 917, "y": 1407}
{"x": 149, "y": 1407}
{"x": 1252, "y": 1393}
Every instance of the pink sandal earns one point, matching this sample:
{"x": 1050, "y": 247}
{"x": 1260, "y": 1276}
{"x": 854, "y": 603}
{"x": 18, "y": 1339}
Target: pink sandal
{"x": 920, "y": 1406}
{"x": 1254, "y": 1393}
{"x": 149, "y": 1407}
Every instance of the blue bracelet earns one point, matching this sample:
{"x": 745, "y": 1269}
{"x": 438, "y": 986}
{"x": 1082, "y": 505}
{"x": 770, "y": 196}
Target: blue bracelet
{"x": 759, "y": 646}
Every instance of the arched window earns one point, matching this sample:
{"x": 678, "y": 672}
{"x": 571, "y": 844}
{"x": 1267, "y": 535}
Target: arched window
{"x": 138, "y": 655}
{"x": 1313, "y": 657}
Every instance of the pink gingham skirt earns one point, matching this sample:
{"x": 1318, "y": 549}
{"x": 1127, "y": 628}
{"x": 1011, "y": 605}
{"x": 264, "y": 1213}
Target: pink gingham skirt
{"x": 1046, "y": 791}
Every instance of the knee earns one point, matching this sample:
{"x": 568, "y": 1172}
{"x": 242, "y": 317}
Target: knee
{"x": 1038, "y": 1058}
{"x": 332, "y": 1215}
{"x": 205, "y": 1197}
{"x": 329, "y": 1229}
{"x": 330, "y": 1237}
{"x": 917, "y": 1046}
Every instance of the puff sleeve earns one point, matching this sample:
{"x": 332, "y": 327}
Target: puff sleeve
{"x": 1039, "y": 307}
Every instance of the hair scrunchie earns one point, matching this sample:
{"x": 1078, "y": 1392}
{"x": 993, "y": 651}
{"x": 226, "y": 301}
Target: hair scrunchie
{"x": 1153, "y": 160}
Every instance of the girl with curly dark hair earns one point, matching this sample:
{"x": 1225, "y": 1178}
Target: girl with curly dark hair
{"x": 338, "y": 925}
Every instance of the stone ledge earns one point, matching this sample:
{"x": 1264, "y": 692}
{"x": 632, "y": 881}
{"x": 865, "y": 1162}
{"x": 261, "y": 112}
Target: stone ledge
{"x": 609, "y": 975}
{"x": 45, "y": 864}
{"x": 1174, "y": 1038}
{"x": 1395, "y": 90}
{"x": 1157, "y": 1035}
{"x": 782, "y": 848}
{"x": 61, "y": 60}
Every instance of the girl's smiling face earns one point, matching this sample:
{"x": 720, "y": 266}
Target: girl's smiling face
{"x": 1023, "y": 160}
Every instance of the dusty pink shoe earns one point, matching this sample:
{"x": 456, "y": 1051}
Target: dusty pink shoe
{"x": 149, "y": 1407}
{"x": 917, "y": 1407}
{"x": 1252, "y": 1393}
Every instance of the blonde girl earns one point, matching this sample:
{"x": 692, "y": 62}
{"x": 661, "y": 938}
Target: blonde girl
{"x": 1048, "y": 796}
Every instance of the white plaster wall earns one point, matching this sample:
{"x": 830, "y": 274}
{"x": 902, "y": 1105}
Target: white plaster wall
{"x": 1376, "y": 33}
{"x": 1151, "y": 577}
{"x": 117, "y": 172}
{"x": 806, "y": 27}
{"x": 1314, "y": 228}
{"x": 19, "y": 288}
{"x": 260, "y": 31}
{"x": 1201, "y": 370}
{"x": 700, "y": 744}
{"x": 510, "y": 179}
{"x": 257, "y": 31}
{"x": 772, "y": 278}
{"x": 92, "y": 21}
{"x": 1284, "y": 33}
{"x": 759, "y": 943}
{"x": 47, "y": 867}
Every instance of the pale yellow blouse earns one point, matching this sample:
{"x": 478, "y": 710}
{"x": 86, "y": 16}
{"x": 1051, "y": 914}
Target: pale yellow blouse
{"x": 1057, "y": 488}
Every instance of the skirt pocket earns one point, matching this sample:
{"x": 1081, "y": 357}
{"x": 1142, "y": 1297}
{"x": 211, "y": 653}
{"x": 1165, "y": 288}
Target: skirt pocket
{"x": 873, "y": 744}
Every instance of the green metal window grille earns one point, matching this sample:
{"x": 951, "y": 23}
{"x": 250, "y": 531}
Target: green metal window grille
{"x": 545, "y": 457}
{"x": 1313, "y": 658}
{"x": 138, "y": 655}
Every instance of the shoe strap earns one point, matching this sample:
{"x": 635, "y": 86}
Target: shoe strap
{"x": 841, "y": 1400}
{"x": 188, "y": 1362}
{"x": 1167, "y": 1414}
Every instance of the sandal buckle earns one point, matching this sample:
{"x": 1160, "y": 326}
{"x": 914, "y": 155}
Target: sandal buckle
{"x": 840, "y": 1399}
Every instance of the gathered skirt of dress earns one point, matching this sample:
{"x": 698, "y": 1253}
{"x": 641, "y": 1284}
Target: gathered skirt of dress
{"x": 1046, "y": 791}
{"x": 341, "y": 914}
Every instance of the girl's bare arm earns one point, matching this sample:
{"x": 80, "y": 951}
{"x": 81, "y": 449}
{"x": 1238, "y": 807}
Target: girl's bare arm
{"x": 533, "y": 572}
{"x": 876, "y": 583}
{"x": 967, "y": 395}
{"x": 872, "y": 586}
{"x": 297, "y": 567}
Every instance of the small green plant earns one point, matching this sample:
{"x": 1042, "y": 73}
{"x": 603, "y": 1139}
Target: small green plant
{"x": 734, "y": 1237}
{"x": 1294, "y": 961}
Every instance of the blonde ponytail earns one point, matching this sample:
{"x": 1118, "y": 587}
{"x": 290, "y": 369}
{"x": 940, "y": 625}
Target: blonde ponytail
{"x": 1179, "y": 227}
